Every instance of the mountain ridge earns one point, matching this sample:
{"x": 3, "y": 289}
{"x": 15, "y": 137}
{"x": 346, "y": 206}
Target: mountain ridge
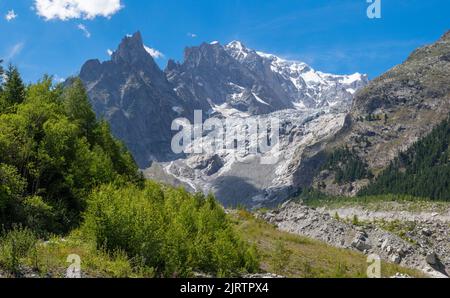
{"x": 140, "y": 100}
{"x": 392, "y": 113}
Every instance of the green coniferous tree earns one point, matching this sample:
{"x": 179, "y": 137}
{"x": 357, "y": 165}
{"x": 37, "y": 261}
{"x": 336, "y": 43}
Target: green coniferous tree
{"x": 1, "y": 75}
{"x": 2, "y": 104}
{"x": 78, "y": 107}
{"x": 14, "y": 88}
{"x": 421, "y": 171}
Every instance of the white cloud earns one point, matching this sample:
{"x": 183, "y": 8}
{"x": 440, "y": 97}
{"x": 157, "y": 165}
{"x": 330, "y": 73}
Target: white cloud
{"x": 11, "y": 15}
{"x": 193, "y": 35}
{"x": 154, "y": 53}
{"x": 76, "y": 9}
{"x": 109, "y": 52}
{"x": 85, "y": 30}
{"x": 15, "y": 50}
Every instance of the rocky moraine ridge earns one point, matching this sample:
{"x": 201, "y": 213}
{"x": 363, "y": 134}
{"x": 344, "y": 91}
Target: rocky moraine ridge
{"x": 425, "y": 246}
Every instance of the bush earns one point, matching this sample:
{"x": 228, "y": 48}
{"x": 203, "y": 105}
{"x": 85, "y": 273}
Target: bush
{"x": 38, "y": 214}
{"x": 280, "y": 257}
{"x": 167, "y": 229}
{"x": 14, "y": 245}
{"x": 12, "y": 186}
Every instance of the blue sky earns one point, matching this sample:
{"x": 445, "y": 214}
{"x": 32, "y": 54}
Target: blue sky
{"x": 333, "y": 36}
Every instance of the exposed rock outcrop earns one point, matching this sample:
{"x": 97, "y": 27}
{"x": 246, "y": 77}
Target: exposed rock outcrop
{"x": 429, "y": 254}
{"x": 395, "y": 110}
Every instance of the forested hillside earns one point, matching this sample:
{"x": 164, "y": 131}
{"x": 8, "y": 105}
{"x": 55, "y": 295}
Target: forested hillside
{"x": 422, "y": 171}
{"x": 53, "y": 152}
{"x": 347, "y": 166}
{"x": 63, "y": 174}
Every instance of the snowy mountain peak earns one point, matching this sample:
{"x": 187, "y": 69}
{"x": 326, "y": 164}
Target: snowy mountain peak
{"x": 237, "y": 50}
{"x": 257, "y": 82}
{"x": 236, "y": 44}
{"x": 307, "y": 87}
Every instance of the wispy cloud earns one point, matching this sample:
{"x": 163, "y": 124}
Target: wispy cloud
{"x": 109, "y": 52}
{"x": 192, "y": 35}
{"x": 85, "y": 30}
{"x": 11, "y": 15}
{"x": 76, "y": 9}
{"x": 14, "y": 51}
{"x": 154, "y": 53}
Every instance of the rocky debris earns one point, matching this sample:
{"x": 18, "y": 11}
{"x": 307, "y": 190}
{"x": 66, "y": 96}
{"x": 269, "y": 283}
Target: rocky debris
{"x": 432, "y": 259}
{"x": 208, "y": 164}
{"x": 434, "y": 273}
{"x": 392, "y": 211}
{"x": 262, "y": 275}
{"x": 369, "y": 239}
{"x": 427, "y": 232}
{"x": 400, "y": 275}
{"x": 361, "y": 242}
{"x": 396, "y": 259}
{"x": 249, "y": 275}
{"x": 237, "y": 177}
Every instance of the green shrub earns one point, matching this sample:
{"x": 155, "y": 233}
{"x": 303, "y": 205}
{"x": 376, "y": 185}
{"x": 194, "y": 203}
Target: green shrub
{"x": 14, "y": 245}
{"x": 167, "y": 229}
{"x": 355, "y": 220}
{"x": 280, "y": 257}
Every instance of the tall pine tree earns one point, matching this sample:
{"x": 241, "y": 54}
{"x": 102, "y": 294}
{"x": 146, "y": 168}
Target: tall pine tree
{"x": 78, "y": 107}
{"x": 2, "y": 100}
{"x": 1, "y": 75}
{"x": 14, "y": 88}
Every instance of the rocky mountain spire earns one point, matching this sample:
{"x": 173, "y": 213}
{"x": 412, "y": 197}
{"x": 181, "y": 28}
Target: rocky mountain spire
{"x": 132, "y": 51}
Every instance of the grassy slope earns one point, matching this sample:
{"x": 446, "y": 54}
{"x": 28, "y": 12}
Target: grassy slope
{"x": 304, "y": 257}
{"x": 50, "y": 260}
{"x": 299, "y": 256}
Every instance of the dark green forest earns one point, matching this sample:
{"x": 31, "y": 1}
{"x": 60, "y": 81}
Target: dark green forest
{"x": 347, "y": 166}
{"x": 422, "y": 171}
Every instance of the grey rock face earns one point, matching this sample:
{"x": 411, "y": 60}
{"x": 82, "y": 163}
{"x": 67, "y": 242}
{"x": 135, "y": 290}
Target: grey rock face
{"x": 134, "y": 96}
{"x": 255, "y": 82}
{"x": 140, "y": 102}
{"x": 211, "y": 77}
